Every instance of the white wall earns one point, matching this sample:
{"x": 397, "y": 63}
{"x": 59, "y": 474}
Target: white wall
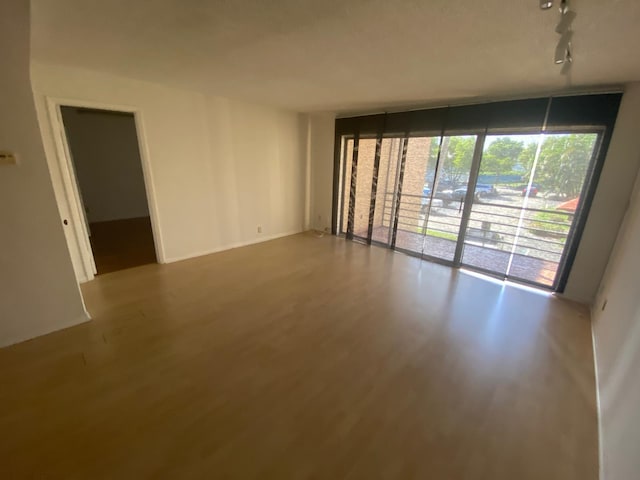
{"x": 610, "y": 202}
{"x": 607, "y": 211}
{"x": 218, "y": 168}
{"x": 321, "y": 139}
{"x": 38, "y": 291}
{"x": 107, "y": 163}
{"x": 617, "y": 345}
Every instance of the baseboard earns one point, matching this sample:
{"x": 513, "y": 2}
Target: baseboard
{"x": 587, "y": 302}
{"x": 4, "y": 342}
{"x": 598, "y": 405}
{"x": 232, "y": 246}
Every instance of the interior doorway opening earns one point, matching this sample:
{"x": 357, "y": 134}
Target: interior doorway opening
{"x": 104, "y": 154}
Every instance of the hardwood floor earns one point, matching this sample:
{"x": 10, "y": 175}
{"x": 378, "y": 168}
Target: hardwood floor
{"x": 304, "y": 358}
{"x": 122, "y": 244}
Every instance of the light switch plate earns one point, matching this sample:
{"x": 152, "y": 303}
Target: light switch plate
{"x": 8, "y": 158}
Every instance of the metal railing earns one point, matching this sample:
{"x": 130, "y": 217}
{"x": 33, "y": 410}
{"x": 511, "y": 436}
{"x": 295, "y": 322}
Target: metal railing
{"x": 538, "y": 233}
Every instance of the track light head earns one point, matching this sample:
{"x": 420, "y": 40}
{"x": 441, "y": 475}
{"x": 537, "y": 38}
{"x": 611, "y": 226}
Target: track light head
{"x": 566, "y": 66}
{"x": 566, "y": 19}
{"x": 563, "y": 54}
{"x": 564, "y": 6}
{"x": 562, "y": 50}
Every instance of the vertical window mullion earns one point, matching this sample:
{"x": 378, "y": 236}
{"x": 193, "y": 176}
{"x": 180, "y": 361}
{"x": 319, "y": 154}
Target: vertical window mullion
{"x": 374, "y": 186}
{"x": 352, "y": 187}
{"x": 403, "y": 160}
{"x": 342, "y": 182}
{"x": 469, "y": 198}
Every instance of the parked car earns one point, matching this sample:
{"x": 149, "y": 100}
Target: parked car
{"x": 558, "y": 197}
{"x": 482, "y": 190}
{"x": 533, "y": 191}
{"x": 444, "y": 193}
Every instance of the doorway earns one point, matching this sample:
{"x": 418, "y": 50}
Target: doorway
{"x": 105, "y": 159}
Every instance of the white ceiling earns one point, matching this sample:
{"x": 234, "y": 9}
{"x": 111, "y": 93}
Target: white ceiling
{"x": 341, "y": 55}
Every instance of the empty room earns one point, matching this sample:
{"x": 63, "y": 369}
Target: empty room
{"x": 320, "y": 240}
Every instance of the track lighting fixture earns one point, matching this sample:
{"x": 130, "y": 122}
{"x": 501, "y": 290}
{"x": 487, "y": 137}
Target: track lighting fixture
{"x": 563, "y": 54}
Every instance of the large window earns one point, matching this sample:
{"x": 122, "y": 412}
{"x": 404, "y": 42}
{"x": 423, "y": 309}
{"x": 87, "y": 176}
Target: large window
{"x": 502, "y": 188}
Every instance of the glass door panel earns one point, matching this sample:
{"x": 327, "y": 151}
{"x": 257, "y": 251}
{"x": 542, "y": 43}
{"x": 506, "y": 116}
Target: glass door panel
{"x": 364, "y": 177}
{"x": 444, "y": 191}
{"x": 494, "y": 218}
{"x": 413, "y": 206}
{"x": 433, "y": 187}
{"x": 524, "y": 204}
{"x": 390, "y": 152}
{"x": 552, "y": 196}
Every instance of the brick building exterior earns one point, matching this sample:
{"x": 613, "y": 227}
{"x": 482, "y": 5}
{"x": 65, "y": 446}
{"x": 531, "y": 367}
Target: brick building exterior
{"x": 412, "y": 187}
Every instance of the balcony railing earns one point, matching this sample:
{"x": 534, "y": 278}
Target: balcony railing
{"x": 538, "y": 233}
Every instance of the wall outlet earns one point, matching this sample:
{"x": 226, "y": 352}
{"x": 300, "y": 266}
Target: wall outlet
{"x": 259, "y": 228}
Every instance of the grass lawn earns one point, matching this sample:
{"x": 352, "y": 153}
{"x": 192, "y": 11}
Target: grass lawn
{"x": 439, "y": 234}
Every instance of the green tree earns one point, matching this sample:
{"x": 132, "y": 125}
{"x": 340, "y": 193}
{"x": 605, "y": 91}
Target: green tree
{"x": 525, "y": 160}
{"x": 563, "y": 163}
{"x": 501, "y": 156}
{"x": 434, "y": 148}
{"x": 456, "y": 158}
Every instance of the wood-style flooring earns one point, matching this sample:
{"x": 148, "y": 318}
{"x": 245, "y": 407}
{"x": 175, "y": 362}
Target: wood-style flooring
{"x": 304, "y": 358}
{"x": 122, "y": 244}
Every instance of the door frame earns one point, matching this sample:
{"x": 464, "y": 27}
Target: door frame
{"x": 78, "y": 240}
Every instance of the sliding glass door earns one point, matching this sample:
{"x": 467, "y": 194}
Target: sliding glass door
{"x": 436, "y": 173}
{"x": 502, "y": 188}
{"x": 529, "y": 191}
{"x": 504, "y": 204}
{"x": 446, "y": 190}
